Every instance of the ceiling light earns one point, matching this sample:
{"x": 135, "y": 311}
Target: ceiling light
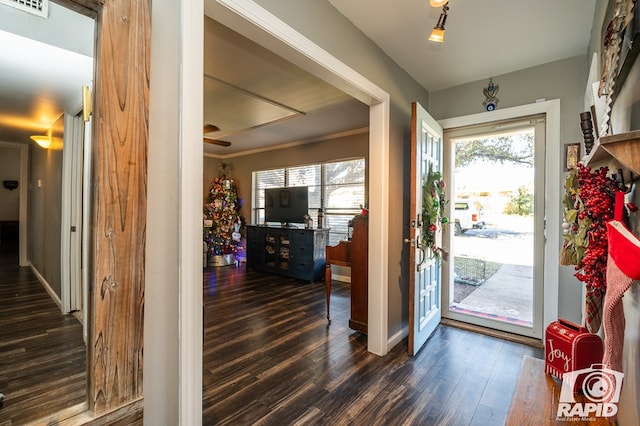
{"x": 437, "y": 34}
{"x": 42, "y": 140}
{"x": 438, "y": 3}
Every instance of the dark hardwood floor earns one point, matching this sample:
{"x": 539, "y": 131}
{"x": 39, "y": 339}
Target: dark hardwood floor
{"x": 270, "y": 359}
{"x": 42, "y": 355}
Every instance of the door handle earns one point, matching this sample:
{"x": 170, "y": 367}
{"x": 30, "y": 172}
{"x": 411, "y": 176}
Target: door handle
{"x": 423, "y": 254}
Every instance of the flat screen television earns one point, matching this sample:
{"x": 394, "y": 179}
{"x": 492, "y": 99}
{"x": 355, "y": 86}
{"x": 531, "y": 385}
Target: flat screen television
{"x": 286, "y": 205}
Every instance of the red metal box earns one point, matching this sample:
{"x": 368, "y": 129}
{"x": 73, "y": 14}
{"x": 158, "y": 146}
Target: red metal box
{"x": 570, "y": 347}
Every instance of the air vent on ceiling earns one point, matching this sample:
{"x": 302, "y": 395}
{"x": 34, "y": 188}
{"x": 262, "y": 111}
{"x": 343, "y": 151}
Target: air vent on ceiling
{"x": 37, "y": 7}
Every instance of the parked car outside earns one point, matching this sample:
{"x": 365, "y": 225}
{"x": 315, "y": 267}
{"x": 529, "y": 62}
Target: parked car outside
{"x": 467, "y": 215}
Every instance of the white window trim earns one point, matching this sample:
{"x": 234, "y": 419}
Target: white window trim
{"x": 322, "y": 186}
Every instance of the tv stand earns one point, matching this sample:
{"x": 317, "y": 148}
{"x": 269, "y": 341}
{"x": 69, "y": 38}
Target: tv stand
{"x": 288, "y": 251}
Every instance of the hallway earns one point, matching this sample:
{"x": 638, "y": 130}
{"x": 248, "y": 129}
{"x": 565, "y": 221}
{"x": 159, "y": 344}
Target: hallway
{"x": 42, "y": 355}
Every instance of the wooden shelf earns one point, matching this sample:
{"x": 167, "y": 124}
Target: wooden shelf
{"x": 535, "y": 400}
{"x": 623, "y": 148}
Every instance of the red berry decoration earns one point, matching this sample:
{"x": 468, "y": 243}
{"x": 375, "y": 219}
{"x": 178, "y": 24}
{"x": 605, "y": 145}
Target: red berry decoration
{"x": 594, "y": 201}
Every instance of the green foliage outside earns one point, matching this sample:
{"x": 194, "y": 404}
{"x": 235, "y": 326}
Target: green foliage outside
{"x": 513, "y": 149}
{"x": 521, "y": 204}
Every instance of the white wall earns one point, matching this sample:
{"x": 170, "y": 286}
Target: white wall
{"x": 173, "y": 266}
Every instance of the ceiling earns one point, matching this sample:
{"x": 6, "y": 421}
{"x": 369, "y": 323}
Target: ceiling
{"x": 483, "y": 38}
{"x": 43, "y": 65}
{"x": 259, "y": 100}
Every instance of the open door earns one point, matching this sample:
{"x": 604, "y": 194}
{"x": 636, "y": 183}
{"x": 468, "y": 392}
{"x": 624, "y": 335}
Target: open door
{"x": 424, "y": 263}
{"x": 71, "y": 291}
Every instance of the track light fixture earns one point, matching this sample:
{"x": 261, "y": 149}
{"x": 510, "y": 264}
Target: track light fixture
{"x": 437, "y": 34}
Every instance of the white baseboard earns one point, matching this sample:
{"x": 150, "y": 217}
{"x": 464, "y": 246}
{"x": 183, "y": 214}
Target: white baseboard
{"x": 341, "y": 278}
{"x": 46, "y": 286}
{"x": 398, "y": 337}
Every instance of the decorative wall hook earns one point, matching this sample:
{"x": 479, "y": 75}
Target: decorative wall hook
{"x": 626, "y": 184}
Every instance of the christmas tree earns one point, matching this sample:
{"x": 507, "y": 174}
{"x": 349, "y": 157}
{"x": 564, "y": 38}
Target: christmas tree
{"x": 221, "y": 216}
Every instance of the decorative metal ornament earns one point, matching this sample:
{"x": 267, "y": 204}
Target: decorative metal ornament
{"x": 491, "y": 102}
{"x": 586, "y": 125}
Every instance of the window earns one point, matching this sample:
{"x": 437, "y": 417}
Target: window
{"x": 336, "y": 187}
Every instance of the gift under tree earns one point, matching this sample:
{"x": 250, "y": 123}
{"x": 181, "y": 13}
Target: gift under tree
{"x": 222, "y": 213}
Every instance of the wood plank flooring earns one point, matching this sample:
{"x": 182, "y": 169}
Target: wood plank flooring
{"x": 270, "y": 359}
{"x": 42, "y": 355}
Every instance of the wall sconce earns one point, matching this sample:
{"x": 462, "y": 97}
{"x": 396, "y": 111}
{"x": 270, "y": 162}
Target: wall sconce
{"x": 437, "y": 34}
{"x": 43, "y": 140}
{"x": 438, "y": 3}
{"x": 10, "y": 184}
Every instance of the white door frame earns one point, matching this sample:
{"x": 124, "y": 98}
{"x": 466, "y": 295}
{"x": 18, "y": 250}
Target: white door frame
{"x": 254, "y": 22}
{"x": 537, "y": 125}
{"x": 23, "y": 187}
{"x": 552, "y": 186}
{"x": 86, "y": 221}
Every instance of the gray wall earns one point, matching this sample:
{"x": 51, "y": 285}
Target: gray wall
{"x": 45, "y": 208}
{"x": 625, "y": 116}
{"x": 322, "y": 23}
{"x": 564, "y": 80}
{"x": 10, "y": 170}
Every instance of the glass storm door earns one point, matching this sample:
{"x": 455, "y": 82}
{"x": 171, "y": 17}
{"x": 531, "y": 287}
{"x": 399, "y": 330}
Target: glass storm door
{"x": 494, "y": 273}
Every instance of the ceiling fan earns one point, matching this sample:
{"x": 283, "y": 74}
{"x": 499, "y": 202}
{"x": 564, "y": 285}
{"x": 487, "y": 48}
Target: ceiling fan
{"x": 208, "y": 128}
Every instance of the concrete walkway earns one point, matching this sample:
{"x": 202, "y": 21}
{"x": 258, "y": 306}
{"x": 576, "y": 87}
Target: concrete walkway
{"x": 509, "y": 293}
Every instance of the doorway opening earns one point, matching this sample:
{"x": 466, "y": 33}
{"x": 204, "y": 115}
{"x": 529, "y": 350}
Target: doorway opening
{"x": 46, "y": 64}
{"x": 496, "y": 209}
